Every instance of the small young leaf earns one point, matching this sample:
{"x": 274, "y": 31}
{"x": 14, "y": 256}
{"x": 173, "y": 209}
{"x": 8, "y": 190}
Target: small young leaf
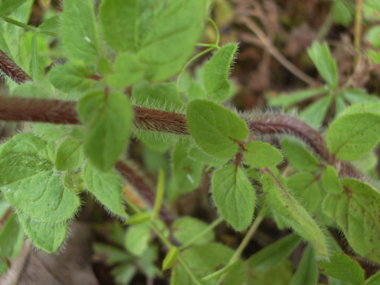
{"x": 71, "y": 77}
{"x": 260, "y": 154}
{"x": 186, "y": 171}
{"x": 186, "y": 228}
{"x": 124, "y": 273}
{"x": 234, "y": 196}
{"x": 373, "y": 37}
{"x": 330, "y": 180}
{"x": 139, "y": 218}
{"x": 46, "y": 236}
{"x": 315, "y": 113}
{"x": 286, "y": 100}
{"x": 127, "y": 70}
{"x": 356, "y": 96}
{"x": 342, "y": 267}
{"x": 104, "y": 66}
{"x": 215, "y": 129}
{"x": 137, "y": 238}
{"x": 304, "y": 186}
{"x": 293, "y": 214}
{"x": 340, "y": 106}
{"x": 298, "y": 156}
{"x": 69, "y": 155}
{"x": 170, "y": 258}
{"x": 79, "y": 31}
{"x": 356, "y": 212}
{"x": 354, "y": 134}
{"x": 371, "y": 9}
{"x": 109, "y": 119}
{"x": 274, "y": 254}
{"x": 163, "y": 96}
{"x": 307, "y": 271}
{"x": 326, "y": 65}
{"x": 8, "y": 236}
{"x": 215, "y": 73}
{"x": 107, "y": 188}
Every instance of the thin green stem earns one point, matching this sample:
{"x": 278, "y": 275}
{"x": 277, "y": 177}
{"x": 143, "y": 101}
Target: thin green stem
{"x": 215, "y": 274}
{"x": 244, "y": 243}
{"x": 188, "y": 270}
{"x": 216, "y": 31}
{"x": 358, "y": 28}
{"x": 191, "y": 60}
{"x": 201, "y": 234}
{"x": 159, "y": 195}
{"x": 166, "y": 242}
{"x": 206, "y": 45}
{"x": 27, "y": 27}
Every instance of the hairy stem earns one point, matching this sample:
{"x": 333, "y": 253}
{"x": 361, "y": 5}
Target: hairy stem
{"x": 64, "y": 112}
{"x": 10, "y": 68}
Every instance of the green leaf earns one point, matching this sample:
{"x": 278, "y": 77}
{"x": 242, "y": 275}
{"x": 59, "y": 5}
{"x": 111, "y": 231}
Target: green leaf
{"x": 69, "y": 155}
{"x": 114, "y": 255}
{"x": 371, "y": 9}
{"x": 73, "y": 76}
{"x": 274, "y": 254}
{"x": 104, "y": 66}
{"x": 195, "y": 91}
{"x": 8, "y": 237}
{"x": 31, "y": 90}
{"x": 342, "y": 267}
{"x": 304, "y": 186}
{"x": 170, "y": 258}
{"x": 186, "y": 228}
{"x": 162, "y": 96}
{"x": 162, "y": 34}
{"x": 124, "y": 273}
{"x": 202, "y": 264}
{"x": 355, "y": 133}
{"x": 373, "y": 36}
{"x": 298, "y": 156}
{"x": 10, "y": 5}
{"x": 280, "y": 274}
{"x": 314, "y": 114}
{"x": 356, "y": 96}
{"x": 47, "y": 236}
{"x": 374, "y": 56}
{"x": 199, "y": 155}
{"x": 356, "y": 212}
{"x": 215, "y": 129}
{"x": 293, "y": 214}
{"x": 186, "y": 171}
{"x": 137, "y": 238}
{"x": 340, "y": 106}
{"x": 107, "y": 188}
{"x": 109, "y": 121}
{"x": 286, "y": 100}
{"x": 234, "y": 196}
{"x": 155, "y": 143}
{"x": 326, "y": 65}
{"x": 260, "y": 154}
{"x": 342, "y": 14}
{"x": 330, "y": 180}
{"x": 51, "y": 25}
{"x": 79, "y": 31}
{"x": 127, "y": 70}
{"x": 26, "y": 164}
{"x": 139, "y": 218}
{"x": 34, "y": 62}
{"x": 307, "y": 271}
{"x": 118, "y": 19}
{"x": 215, "y": 73}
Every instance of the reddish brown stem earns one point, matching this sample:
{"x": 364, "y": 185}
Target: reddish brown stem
{"x": 282, "y": 124}
{"x": 10, "y": 68}
{"x": 144, "y": 189}
{"x": 64, "y": 112}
